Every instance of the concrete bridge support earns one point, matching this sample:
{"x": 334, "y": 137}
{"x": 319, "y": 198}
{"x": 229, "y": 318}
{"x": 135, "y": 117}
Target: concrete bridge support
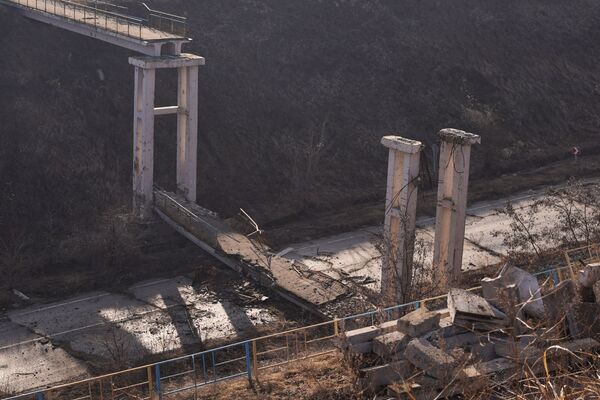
{"x": 455, "y": 155}
{"x": 400, "y": 217}
{"x": 187, "y": 132}
{"x": 143, "y": 141}
{"x": 187, "y": 127}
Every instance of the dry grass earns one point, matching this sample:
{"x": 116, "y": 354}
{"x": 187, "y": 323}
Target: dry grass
{"x": 321, "y": 378}
{"x": 579, "y": 380}
{"x": 328, "y": 378}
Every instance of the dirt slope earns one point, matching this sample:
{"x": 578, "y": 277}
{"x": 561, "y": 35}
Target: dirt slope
{"x": 294, "y": 99}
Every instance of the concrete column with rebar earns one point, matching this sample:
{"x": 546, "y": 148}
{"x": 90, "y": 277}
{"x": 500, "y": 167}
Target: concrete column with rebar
{"x": 455, "y": 155}
{"x": 187, "y": 131}
{"x": 143, "y": 141}
{"x": 400, "y": 217}
{"x": 187, "y": 126}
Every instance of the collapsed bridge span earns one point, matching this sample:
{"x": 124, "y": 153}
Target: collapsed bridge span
{"x": 313, "y": 291}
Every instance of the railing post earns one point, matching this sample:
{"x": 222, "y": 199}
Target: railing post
{"x": 336, "y": 327}
{"x": 248, "y": 361}
{"x": 254, "y": 359}
{"x": 150, "y": 385}
{"x": 555, "y": 278}
{"x": 157, "y": 388}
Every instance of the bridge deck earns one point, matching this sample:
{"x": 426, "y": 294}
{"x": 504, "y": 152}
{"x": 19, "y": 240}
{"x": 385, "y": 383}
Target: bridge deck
{"x": 314, "y": 291}
{"x": 100, "y": 19}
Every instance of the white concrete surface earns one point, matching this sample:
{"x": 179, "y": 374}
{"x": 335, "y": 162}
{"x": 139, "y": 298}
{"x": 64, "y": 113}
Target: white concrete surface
{"x": 35, "y": 362}
{"x": 356, "y": 254}
{"x": 47, "y": 344}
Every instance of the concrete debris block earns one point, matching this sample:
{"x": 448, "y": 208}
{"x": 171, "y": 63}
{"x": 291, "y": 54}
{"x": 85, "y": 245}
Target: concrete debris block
{"x": 558, "y": 303}
{"x": 462, "y": 340}
{"x": 573, "y": 352}
{"x": 584, "y": 320}
{"x": 518, "y": 350}
{"x": 527, "y": 286}
{"x": 586, "y": 294}
{"x": 419, "y": 322}
{"x": 507, "y": 299}
{"x": 426, "y": 388}
{"x": 582, "y": 345}
{"x": 408, "y": 391}
{"x": 362, "y": 335}
{"x": 360, "y": 348}
{"x": 491, "y": 288}
{"x": 495, "y": 366}
{"x": 433, "y": 361}
{"x": 483, "y": 351}
{"x": 374, "y": 378}
{"x": 444, "y": 312}
{"x": 474, "y": 312}
{"x": 597, "y": 291}
{"x": 388, "y": 326}
{"x": 389, "y": 344}
{"x": 589, "y": 275}
{"x": 446, "y": 328}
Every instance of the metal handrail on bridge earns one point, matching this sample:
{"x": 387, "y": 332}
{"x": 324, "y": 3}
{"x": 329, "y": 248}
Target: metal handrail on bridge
{"x": 111, "y": 21}
{"x": 160, "y": 19}
{"x": 248, "y": 358}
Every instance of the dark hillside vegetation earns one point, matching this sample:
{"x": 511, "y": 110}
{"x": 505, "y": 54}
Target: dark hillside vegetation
{"x": 295, "y": 97}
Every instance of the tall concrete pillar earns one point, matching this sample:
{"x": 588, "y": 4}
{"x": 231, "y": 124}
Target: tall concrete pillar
{"x": 455, "y": 155}
{"x": 187, "y": 126}
{"x": 187, "y": 132}
{"x": 400, "y": 217}
{"x": 143, "y": 141}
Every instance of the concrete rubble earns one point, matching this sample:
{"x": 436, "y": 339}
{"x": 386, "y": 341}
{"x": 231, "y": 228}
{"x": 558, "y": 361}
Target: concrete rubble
{"x": 478, "y": 340}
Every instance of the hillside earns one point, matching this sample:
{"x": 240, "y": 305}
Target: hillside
{"x": 294, "y": 99}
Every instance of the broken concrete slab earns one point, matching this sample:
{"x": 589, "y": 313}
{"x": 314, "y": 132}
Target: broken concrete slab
{"x": 376, "y": 377}
{"x": 504, "y": 297}
{"x": 314, "y": 291}
{"x": 483, "y": 351}
{"x": 387, "y": 345}
{"x": 573, "y": 352}
{"x": 360, "y": 348}
{"x": 446, "y": 328}
{"x": 589, "y": 275}
{"x": 389, "y": 326}
{"x": 461, "y": 340}
{"x": 362, "y": 334}
{"x": 581, "y": 345}
{"x": 433, "y": 361}
{"x": 584, "y": 320}
{"x": 474, "y": 312}
{"x": 558, "y": 302}
{"x": 418, "y": 322}
{"x": 527, "y": 286}
{"x": 517, "y": 350}
{"x": 495, "y": 366}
